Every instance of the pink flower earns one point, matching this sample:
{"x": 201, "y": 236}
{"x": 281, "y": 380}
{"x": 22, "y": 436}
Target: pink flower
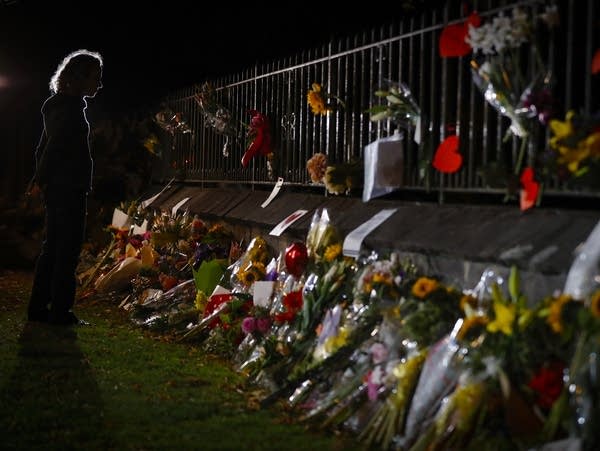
{"x": 263, "y": 325}
{"x": 379, "y": 353}
{"x": 248, "y": 325}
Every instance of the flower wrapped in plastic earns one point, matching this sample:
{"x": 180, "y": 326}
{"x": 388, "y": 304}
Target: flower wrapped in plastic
{"x": 401, "y": 106}
{"x": 346, "y": 329}
{"x": 217, "y": 116}
{"x": 423, "y": 317}
{"x": 251, "y": 266}
{"x": 498, "y": 71}
{"x": 166, "y": 311}
{"x": 171, "y": 121}
{"x": 323, "y": 241}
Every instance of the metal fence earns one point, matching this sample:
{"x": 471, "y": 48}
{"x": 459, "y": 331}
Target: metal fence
{"x": 354, "y": 67}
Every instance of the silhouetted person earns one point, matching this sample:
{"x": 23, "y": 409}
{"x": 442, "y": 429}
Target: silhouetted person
{"x": 64, "y": 168}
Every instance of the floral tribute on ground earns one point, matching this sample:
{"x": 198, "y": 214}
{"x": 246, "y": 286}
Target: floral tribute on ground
{"x": 372, "y": 346}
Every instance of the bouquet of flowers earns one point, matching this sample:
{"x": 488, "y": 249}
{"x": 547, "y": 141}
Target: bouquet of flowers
{"x": 401, "y": 106}
{"x": 216, "y": 116}
{"x": 575, "y": 146}
{"x": 498, "y": 71}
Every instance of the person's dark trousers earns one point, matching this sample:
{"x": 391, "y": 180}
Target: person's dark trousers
{"x": 54, "y": 282}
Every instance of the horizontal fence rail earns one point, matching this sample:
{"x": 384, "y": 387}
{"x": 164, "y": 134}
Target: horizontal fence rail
{"x": 351, "y": 69}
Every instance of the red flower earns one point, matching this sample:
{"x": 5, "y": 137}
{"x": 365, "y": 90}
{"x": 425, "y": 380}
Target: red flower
{"x": 547, "y": 383}
{"x": 293, "y": 304}
{"x": 293, "y": 301}
{"x": 284, "y": 317}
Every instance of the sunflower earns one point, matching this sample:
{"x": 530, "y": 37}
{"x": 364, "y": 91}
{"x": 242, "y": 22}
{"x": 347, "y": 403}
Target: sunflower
{"x": 472, "y": 323}
{"x": 423, "y": 286}
{"x": 555, "y": 315}
{"x": 252, "y": 273}
{"x": 316, "y": 101}
{"x": 468, "y": 302}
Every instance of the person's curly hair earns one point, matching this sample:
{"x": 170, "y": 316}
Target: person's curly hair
{"x": 75, "y": 65}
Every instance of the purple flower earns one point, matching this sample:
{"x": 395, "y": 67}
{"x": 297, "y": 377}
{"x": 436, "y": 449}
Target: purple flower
{"x": 263, "y": 325}
{"x": 248, "y": 325}
{"x": 271, "y": 276}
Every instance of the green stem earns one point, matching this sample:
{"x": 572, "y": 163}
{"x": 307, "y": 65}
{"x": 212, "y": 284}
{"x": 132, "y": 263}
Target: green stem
{"x": 524, "y": 141}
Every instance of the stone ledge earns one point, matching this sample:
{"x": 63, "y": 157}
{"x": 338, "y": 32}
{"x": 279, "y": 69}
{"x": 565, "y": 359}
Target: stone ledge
{"x": 456, "y": 241}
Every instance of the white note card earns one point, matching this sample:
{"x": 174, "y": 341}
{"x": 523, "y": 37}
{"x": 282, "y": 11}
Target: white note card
{"x": 178, "y": 205}
{"x": 274, "y": 193}
{"x": 140, "y": 229}
{"x": 279, "y": 228}
{"x": 354, "y": 239}
{"x": 262, "y": 291}
{"x": 120, "y": 219}
{"x": 147, "y": 202}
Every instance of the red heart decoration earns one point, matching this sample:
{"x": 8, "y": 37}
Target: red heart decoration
{"x": 452, "y": 38}
{"x": 596, "y": 62}
{"x": 447, "y": 158}
{"x": 531, "y": 189}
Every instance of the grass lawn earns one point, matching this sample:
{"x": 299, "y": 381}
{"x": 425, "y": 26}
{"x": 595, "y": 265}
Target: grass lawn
{"x": 113, "y": 386}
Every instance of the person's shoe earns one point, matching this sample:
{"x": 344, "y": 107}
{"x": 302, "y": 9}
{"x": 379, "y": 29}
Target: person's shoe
{"x": 68, "y": 319}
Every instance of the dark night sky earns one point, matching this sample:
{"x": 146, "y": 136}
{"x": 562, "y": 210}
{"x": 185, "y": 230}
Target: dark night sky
{"x": 151, "y": 48}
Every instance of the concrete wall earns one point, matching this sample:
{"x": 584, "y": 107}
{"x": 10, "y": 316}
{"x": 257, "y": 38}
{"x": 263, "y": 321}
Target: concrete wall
{"x": 456, "y": 242}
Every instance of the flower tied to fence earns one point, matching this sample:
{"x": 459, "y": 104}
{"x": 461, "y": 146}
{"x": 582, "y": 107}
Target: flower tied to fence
{"x": 216, "y": 116}
{"x": 260, "y": 141}
{"x": 319, "y": 102}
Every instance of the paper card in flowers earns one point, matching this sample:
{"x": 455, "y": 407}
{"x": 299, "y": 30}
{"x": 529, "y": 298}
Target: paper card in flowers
{"x": 383, "y": 166}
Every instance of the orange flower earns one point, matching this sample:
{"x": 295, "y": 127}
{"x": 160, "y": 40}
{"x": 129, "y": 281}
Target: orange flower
{"x": 423, "y": 286}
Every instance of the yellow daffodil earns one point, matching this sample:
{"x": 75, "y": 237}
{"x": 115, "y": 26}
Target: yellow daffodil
{"x": 423, "y": 286}
{"x": 335, "y": 342}
{"x": 505, "y": 317}
{"x": 332, "y": 252}
{"x": 561, "y": 130}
